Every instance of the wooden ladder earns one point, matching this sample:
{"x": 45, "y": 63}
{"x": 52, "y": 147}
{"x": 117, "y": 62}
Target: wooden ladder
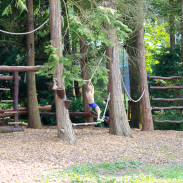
{"x": 166, "y": 99}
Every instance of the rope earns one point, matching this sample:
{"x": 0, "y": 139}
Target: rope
{"x": 97, "y": 66}
{"x": 106, "y": 106}
{"x": 93, "y": 72}
{"x": 128, "y": 93}
{"x": 25, "y": 32}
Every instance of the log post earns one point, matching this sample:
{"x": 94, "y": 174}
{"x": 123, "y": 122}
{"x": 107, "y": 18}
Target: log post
{"x": 16, "y": 90}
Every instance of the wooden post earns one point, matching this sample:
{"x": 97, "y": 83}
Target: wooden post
{"x": 16, "y": 88}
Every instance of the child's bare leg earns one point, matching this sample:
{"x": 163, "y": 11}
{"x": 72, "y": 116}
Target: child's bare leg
{"x": 98, "y": 112}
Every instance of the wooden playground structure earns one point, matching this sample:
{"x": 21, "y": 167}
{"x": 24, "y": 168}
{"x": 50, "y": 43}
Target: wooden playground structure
{"x": 166, "y": 99}
{"x": 15, "y": 111}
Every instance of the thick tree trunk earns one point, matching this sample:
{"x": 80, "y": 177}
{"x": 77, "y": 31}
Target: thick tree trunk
{"x": 136, "y": 110}
{"x": 181, "y": 17}
{"x": 118, "y": 118}
{"x": 85, "y": 76}
{"x": 66, "y": 31}
{"x": 172, "y": 25}
{"x": 65, "y": 130}
{"x": 147, "y": 124}
{"x": 33, "y": 111}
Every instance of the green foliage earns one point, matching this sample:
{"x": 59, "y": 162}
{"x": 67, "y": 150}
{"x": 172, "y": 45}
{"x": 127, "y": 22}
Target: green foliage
{"x": 94, "y": 30}
{"x": 20, "y": 4}
{"x": 155, "y": 38}
{"x": 120, "y": 171}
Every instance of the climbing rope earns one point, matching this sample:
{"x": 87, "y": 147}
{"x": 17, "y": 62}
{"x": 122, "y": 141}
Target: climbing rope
{"x": 23, "y": 33}
{"x": 106, "y": 106}
{"x": 128, "y": 93}
{"x": 97, "y": 66}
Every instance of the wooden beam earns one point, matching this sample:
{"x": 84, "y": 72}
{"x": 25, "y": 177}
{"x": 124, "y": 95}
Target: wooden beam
{"x": 168, "y": 121}
{"x": 20, "y": 68}
{"x": 166, "y": 87}
{"x": 45, "y": 108}
{"x": 11, "y": 114}
{"x": 16, "y": 92}
{"x": 166, "y": 108}
{"x": 167, "y": 99}
{"x": 165, "y": 78}
{"x": 83, "y": 114}
{"x": 2, "y": 77}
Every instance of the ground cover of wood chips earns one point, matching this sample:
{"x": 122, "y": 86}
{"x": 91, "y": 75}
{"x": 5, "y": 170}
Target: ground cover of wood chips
{"x": 25, "y": 155}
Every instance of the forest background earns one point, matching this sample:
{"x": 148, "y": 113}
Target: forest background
{"x": 162, "y": 36}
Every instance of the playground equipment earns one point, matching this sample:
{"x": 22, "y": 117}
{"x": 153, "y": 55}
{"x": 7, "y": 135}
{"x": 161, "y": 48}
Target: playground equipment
{"x": 166, "y": 99}
{"x": 60, "y": 93}
{"x": 15, "y": 111}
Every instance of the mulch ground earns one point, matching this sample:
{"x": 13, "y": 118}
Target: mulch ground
{"x": 25, "y": 155}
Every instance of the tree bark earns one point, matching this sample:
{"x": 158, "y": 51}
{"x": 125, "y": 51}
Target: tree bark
{"x": 172, "y": 26}
{"x": 85, "y": 76}
{"x": 181, "y": 17}
{"x": 118, "y": 118}
{"x": 33, "y": 111}
{"x": 65, "y": 130}
{"x": 66, "y": 31}
{"x": 147, "y": 124}
{"x": 136, "y": 109}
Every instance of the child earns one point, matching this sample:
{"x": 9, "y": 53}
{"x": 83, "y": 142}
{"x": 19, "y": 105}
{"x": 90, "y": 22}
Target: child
{"x": 90, "y": 98}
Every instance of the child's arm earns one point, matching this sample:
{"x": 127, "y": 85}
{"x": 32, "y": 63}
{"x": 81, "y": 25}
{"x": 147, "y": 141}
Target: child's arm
{"x": 91, "y": 85}
{"x": 92, "y": 88}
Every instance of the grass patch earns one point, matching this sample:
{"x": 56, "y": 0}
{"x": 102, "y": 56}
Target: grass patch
{"x": 120, "y": 171}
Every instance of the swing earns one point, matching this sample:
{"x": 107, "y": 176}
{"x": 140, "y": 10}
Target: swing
{"x": 95, "y": 123}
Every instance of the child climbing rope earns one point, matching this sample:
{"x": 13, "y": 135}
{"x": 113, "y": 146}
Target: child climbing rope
{"x": 90, "y": 98}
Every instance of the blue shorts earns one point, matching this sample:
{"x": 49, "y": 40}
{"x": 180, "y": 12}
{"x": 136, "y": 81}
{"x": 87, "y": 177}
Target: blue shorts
{"x": 93, "y": 105}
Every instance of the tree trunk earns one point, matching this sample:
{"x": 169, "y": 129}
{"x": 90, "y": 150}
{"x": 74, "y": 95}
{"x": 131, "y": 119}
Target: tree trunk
{"x": 181, "y": 17}
{"x": 84, "y": 75}
{"x": 147, "y": 124}
{"x": 172, "y": 25}
{"x": 65, "y": 130}
{"x": 136, "y": 109}
{"x": 118, "y": 118}
{"x": 33, "y": 111}
{"x": 66, "y": 31}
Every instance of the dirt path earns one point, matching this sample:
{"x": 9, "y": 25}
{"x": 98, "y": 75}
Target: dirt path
{"x": 24, "y": 155}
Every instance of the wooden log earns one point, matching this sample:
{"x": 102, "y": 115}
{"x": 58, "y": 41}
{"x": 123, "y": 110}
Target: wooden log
{"x": 165, "y": 78}
{"x": 2, "y": 77}
{"x": 45, "y": 108}
{"x": 168, "y": 121}
{"x": 4, "y": 88}
{"x": 16, "y": 92}
{"x": 7, "y": 101}
{"x": 82, "y": 114}
{"x": 20, "y": 68}
{"x": 165, "y": 88}
{"x": 167, "y": 99}
{"x": 166, "y": 108}
{"x": 11, "y": 114}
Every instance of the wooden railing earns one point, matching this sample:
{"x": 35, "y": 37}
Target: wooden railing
{"x": 166, "y": 99}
